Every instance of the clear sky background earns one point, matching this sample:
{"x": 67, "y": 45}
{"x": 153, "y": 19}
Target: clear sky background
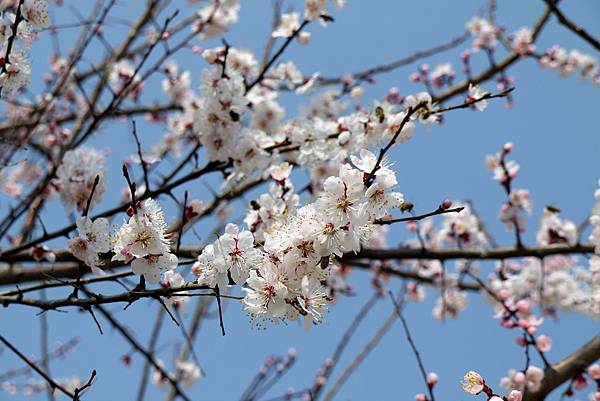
{"x": 553, "y": 125}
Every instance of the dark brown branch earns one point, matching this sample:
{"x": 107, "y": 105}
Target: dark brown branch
{"x": 199, "y": 313}
{"x": 138, "y": 146}
{"x": 567, "y": 369}
{"x": 33, "y": 366}
{"x": 219, "y": 307}
{"x": 98, "y": 299}
{"x": 364, "y": 311}
{"x": 209, "y": 168}
{"x": 438, "y": 211}
{"x": 579, "y": 31}
{"x": 492, "y": 71}
{"x": 409, "y": 275}
{"x": 473, "y": 254}
{"x": 371, "y": 175}
{"x": 17, "y": 275}
{"x": 134, "y": 343}
{"x": 151, "y": 347}
{"x": 413, "y": 346}
{"x": 527, "y": 335}
{"x": 11, "y": 40}
{"x": 360, "y": 357}
{"x": 70, "y": 117}
{"x": 471, "y": 102}
{"x": 89, "y": 201}
{"x": 277, "y": 54}
{"x": 274, "y": 24}
{"x": 370, "y": 72}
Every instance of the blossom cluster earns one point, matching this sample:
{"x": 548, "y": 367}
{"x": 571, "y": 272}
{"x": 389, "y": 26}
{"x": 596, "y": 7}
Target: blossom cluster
{"x": 143, "y": 241}
{"x": 186, "y": 371}
{"x": 595, "y": 222}
{"x": 474, "y": 384}
{"x": 568, "y": 62}
{"x": 18, "y": 29}
{"x": 76, "y": 175}
{"x": 287, "y": 277}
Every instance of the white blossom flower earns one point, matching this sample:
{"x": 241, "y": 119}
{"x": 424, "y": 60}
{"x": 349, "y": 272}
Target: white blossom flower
{"x": 93, "y": 238}
{"x": 210, "y": 269}
{"x": 179, "y": 300}
{"x": 426, "y": 110}
{"x": 144, "y": 233}
{"x": 473, "y": 383}
{"x": 76, "y": 175}
{"x": 288, "y": 24}
{"x": 16, "y": 75}
{"x": 484, "y": 32}
{"x": 265, "y": 295}
{"x": 217, "y": 16}
{"x": 341, "y": 202}
{"x": 595, "y": 222}
{"x": 312, "y": 300}
{"x": 151, "y": 266}
{"x": 36, "y": 13}
{"x": 188, "y": 371}
{"x": 554, "y": 230}
{"x": 476, "y": 93}
{"x": 236, "y": 250}
{"x": 531, "y": 379}
{"x": 522, "y": 42}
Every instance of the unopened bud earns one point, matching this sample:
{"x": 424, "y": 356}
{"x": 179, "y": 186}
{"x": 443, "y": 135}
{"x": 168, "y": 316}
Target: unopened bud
{"x": 446, "y": 204}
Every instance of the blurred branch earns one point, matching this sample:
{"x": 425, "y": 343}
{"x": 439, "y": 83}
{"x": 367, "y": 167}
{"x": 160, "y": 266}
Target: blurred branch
{"x": 566, "y": 369}
{"x": 368, "y": 74}
{"x": 579, "y": 31}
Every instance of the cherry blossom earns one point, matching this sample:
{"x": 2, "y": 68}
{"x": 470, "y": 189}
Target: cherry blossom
{"x": 473, "y": 383}
{"x": 476, "y": 93}
{"x": 530, "y": 379}
{"x": 75, "y": 177}
{"x": 522, "y": 42}
{"x": 289, "y": 23}
{"x": 93, "y": 238}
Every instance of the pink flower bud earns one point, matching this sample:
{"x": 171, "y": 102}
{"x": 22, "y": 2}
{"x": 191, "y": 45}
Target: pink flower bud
{"x": 580, "y": 382}
{"x": 594, "y": 371}
{"x": 432, "y": 379}
{"x": 420, "y": 397}
{"x": 508, "y": 323}
{"x": 411, "y": 226}
{"x": 515, "y": 395}
{"x": 519, "y": 379}
{"x": 523, "y": 306}
{"x": 446, "y": 204}
{"x": 304, "y": 38}
{"x": 543, "y": 343}
{"x": 521, "y": 341}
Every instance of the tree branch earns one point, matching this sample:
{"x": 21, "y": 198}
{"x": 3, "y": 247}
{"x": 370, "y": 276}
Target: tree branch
{"x": 566, "y": 369}
{"x": 579, "y": 31}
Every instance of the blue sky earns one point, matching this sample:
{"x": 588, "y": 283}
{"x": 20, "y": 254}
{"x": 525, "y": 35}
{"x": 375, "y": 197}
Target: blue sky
{"x": 553, "y": 125}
